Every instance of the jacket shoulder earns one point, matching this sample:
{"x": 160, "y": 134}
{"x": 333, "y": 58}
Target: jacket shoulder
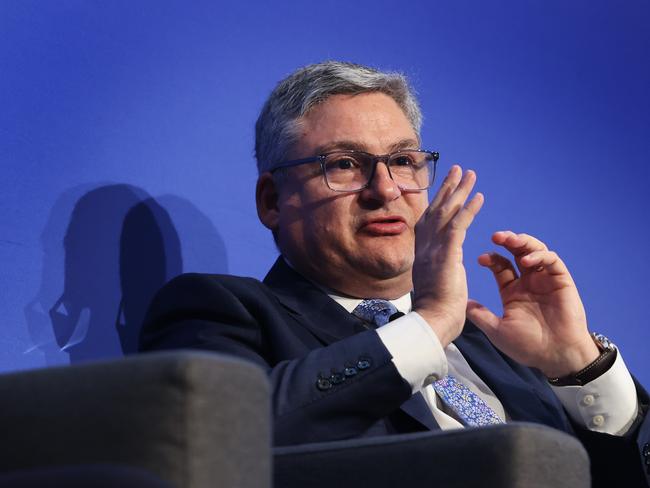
{"x": 207, "y": 297}
{"x": 201, "y": 288}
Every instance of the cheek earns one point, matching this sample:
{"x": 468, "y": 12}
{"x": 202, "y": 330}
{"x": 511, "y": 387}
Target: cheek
{"x": 312, "y": 215}
{"x": 330, "y": 227}
{"x": 415, "y": 209}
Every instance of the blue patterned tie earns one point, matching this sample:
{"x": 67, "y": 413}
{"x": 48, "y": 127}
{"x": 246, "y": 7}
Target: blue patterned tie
{"x": 470, "y": 409}
{"x": 467, "y": 405}
{"x": 375, "y": 311}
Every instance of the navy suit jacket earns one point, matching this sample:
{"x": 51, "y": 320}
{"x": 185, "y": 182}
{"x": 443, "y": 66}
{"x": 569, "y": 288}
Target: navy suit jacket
{"x": 334, "y": 379}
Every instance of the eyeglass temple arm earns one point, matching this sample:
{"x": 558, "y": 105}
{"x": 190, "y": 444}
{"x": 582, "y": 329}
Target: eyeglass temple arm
{"x": 296, "y": 162}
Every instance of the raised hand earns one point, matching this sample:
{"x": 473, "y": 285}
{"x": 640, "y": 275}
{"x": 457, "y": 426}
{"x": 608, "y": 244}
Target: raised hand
{"x": 543, "y": 323}
{"x": 439, "y": 278}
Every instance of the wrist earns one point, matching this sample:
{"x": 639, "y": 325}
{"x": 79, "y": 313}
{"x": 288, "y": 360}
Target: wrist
{"x": 443, "y": 326}
{"x": 604, "y": 360}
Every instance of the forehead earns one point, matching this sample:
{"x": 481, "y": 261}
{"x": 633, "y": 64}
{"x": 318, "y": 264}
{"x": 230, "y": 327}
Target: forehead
{"x": 372, "y": 122}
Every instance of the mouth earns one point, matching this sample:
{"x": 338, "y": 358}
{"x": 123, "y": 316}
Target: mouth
{"x": 390, "y": 225}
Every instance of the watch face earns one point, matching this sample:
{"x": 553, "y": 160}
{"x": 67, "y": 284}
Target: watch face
{"x": 603, "y": 342}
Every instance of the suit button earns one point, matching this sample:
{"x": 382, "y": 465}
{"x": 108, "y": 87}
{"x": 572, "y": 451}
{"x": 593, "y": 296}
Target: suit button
{"x": 323, "y": 384}
{"x": 337, "y": 378}
{"x": 363, "y": 363}
{"x": 646, "y": 449}
{"x": 350, "y": 371}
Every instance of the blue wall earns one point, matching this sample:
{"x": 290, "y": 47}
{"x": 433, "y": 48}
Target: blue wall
{"x": 126, "y": 135}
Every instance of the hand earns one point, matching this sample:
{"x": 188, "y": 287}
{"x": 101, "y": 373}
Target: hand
{"x": 544, "y": 323}
{"x": 439, "y": 279}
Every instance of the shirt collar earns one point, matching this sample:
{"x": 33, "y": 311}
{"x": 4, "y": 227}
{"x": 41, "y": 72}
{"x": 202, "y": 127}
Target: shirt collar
{"x": 403, "y": 303}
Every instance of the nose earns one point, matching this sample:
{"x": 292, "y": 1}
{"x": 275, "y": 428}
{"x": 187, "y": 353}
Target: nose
{"x": 382, "y": 186}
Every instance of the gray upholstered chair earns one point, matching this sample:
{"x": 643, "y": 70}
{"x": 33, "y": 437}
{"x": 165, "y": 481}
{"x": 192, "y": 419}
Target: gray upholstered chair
{"x": 199, "y": 420}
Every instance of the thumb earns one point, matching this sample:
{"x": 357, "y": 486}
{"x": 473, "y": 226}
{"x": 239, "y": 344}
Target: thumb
{"x": 482, "y": 316}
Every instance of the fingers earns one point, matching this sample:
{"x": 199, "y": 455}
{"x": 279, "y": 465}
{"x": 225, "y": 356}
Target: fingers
{"x": 502, "y": 268}
{"x": 518, "y": 244}
{"x": 531, "y": 254}
{"x": 466, "y": 215}
{"x": 544, "y": 260}
{"x": 448, "y": 185}
{"x": 450, "y": 204}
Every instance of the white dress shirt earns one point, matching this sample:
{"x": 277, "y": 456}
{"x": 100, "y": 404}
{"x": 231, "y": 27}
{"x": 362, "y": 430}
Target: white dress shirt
{"x": 607, "y": 404}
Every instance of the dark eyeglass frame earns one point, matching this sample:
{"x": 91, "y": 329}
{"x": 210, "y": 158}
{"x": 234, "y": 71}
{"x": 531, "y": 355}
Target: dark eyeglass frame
{"x": 385, "y": 158}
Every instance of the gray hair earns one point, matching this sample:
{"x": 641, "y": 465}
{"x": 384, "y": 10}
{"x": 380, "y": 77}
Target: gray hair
{"x": 277, "y": 127}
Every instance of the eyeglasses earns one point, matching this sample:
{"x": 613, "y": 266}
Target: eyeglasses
{"x": 352, "y": 171}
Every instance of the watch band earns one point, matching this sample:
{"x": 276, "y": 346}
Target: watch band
{"x": 593, "y": 370}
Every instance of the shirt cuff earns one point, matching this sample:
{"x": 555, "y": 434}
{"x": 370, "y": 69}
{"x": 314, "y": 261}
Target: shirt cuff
{"x": 607, "y": 404}
{"x": 416, "y": 350}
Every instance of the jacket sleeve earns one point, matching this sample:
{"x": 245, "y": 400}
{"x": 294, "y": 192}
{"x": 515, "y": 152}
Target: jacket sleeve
{"x": 621, "y": 460}
{"x": 330, "y": 392}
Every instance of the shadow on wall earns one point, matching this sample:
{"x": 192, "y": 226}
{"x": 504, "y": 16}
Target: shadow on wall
{"x": 119, "y": 247}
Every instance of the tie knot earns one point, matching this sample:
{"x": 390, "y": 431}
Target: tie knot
{"x": 375, "y": 311}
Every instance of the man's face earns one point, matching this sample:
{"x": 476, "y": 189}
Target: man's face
{"x": 356, "y": 243}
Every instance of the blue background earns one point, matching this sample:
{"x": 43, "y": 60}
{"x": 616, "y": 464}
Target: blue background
{"x": 126, "y": 136}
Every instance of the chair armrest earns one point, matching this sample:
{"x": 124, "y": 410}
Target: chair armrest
{"x": 505, "y": 456}
{"x": 193, "y": 419}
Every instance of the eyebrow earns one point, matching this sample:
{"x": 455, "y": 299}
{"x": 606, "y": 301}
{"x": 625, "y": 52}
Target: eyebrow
{"x": 350, "y": 145}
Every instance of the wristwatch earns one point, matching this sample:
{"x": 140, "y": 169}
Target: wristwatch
{"x": 594, "y": 369}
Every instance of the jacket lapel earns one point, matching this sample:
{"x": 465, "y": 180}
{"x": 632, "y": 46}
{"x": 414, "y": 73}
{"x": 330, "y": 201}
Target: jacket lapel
{"x": 310, "y": 305}
{"x": 417, "y": 407}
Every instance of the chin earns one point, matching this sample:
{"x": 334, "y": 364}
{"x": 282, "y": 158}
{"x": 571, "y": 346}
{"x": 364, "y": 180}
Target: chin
{"x": 384, "y": 268}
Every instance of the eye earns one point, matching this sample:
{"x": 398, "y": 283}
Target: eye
{"x": 342, "y": 163}
{"x": 402, "y": 160}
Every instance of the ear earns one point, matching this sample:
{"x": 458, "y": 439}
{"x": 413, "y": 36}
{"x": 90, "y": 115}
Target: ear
{"x": 266, "y": 198}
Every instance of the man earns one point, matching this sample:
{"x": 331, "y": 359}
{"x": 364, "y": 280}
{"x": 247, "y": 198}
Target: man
{"x": 360, "y": 242}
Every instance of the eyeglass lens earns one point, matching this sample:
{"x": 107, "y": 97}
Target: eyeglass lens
{"x": 411, "y": 170}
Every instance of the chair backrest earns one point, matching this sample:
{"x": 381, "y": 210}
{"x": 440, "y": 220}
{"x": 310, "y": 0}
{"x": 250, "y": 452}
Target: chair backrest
{"x": 194, "y": 419}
